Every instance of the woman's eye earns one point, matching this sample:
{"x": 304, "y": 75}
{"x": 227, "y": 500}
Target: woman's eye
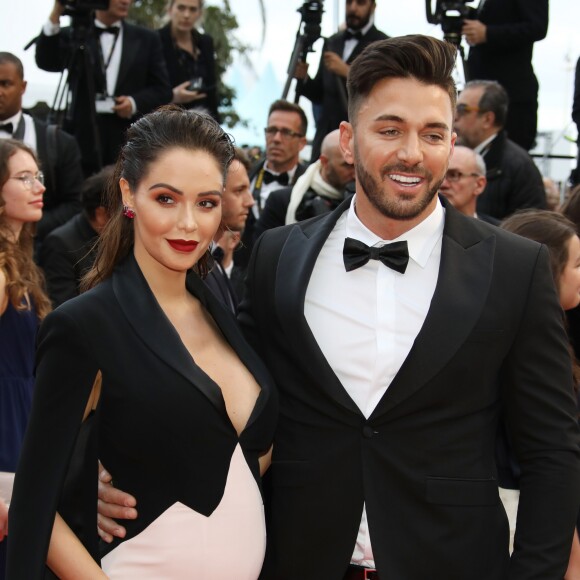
{"x": 208, "y": 203}
{"x": 165, "y": 199}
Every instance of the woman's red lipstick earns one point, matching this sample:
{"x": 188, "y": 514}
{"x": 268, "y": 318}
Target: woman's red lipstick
{"x": 183, "y": 245}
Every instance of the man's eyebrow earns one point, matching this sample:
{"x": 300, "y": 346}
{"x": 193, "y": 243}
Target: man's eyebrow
{"x": 397, "y": 119}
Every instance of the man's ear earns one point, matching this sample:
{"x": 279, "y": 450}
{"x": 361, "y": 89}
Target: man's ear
{"x": 346, "y": 141}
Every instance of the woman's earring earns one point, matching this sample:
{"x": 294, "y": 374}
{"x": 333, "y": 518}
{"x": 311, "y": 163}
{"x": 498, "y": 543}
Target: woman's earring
{"x": 128, "y": 212}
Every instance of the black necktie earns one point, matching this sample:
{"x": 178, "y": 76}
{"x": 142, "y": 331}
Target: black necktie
{"x": 109, "y": 30}
{"x": 348, "y": 35}
{"x": 7, "y": 128}
{"x": 282, "y": 178}
{"x": 357, "y": 254}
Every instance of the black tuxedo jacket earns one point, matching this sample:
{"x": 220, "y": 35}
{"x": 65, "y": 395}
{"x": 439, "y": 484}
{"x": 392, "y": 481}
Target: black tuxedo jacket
{"x": 65, "y": 256}
{"x": 160, "y": 425}
{"x": 513, "y": 180}
{"x": 329, "y": 90}
{"x": 63, "y": 178}
{"x": 142, "y": 75}
{"x": 423, "y": 463}
{"x": 512, "y": 28}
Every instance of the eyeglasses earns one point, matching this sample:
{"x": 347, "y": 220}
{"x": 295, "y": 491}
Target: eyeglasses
{"x": 456, "y": 175}
{"x": 284, "y": 133}
{"x": 463, "y": 109}
{"x": 29, "y": 179}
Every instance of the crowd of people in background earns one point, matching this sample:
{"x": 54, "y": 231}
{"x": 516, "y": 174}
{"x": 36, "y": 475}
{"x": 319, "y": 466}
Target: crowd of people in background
{"x": 147, "y": 232}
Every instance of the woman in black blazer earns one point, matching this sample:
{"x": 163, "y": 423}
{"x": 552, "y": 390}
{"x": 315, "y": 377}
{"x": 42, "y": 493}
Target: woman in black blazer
{"x": 190, "y": 58}
{"x": 185, "y": 412}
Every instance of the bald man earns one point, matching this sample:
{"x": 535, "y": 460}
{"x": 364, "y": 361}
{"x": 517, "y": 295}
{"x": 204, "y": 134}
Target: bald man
{"x": 465, "y": 181}
{"x": 319, "y": 190}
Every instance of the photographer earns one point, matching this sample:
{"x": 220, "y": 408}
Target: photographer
{"x": 127, "y": 69}
{"x": 502, "y": 41}
{"x": 328, "y": 87}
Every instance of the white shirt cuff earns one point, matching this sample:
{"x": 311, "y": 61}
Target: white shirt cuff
{"x": 50, "y": 28}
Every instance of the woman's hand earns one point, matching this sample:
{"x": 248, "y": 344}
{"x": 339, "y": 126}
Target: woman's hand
{"x": 182, "y": 96}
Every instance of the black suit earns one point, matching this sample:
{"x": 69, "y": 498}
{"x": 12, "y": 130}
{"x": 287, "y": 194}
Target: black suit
{"x": 158, "y": 413}
{"x": 513, "y": 180}
{"x": 65, "y": 256}
{"x": 329, "y": 90}
{"x": 424, "y": 461}
{"x": 506, "y": 57}
{"x": 63, "y": 179}
{"x": 142, "y": 75}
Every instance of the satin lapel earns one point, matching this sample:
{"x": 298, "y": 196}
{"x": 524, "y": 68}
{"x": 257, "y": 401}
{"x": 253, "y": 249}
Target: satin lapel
{"x": 295, "y": 267}
{"x": 228, "y": 326}
{"x": 462, "y": 287}
{"x": 129, "y": 51}
{"x": 152, "y": 326}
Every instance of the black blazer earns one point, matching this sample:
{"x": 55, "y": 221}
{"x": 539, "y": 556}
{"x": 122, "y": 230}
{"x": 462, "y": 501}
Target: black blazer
{"x": 205, "y": 65}
{"x": 424, "y": 461}
{"x": 155, "y": 402}
{"x": 65, "y": 257}
{"x": 513, "y": 180}
{"x": 63, "y": 178}
{"x": 329, "y": 89}
{"x": 142, "y": 75}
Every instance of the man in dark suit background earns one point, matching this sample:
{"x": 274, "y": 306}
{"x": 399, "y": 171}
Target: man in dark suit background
{"x": 129, "y": 77}
{"x": 328, "y": 87}
{"x": 502, "y": 42}
{"x": 58, "y": 152}
{"x": 513, "y": 180}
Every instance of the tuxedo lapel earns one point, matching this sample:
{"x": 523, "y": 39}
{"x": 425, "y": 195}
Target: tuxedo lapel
{"x": 296, "y": 263}
{"x": 462, "y": 287}
{"x": 129, "y": 51}
{"x": 151, "y": 325}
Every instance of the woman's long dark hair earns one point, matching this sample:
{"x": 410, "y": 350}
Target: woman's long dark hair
{"x": 147, "y": 139}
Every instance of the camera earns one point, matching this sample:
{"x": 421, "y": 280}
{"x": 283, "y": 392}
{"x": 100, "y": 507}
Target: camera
{"x": 450, "y": 16}
{"x": 81, "y": 7}
{"x": 311, "y": 12}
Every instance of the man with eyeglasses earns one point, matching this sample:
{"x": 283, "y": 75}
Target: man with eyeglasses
{"x": 57, "y": 151}
{"x": 465, "y": 181}
{"x": 285, "y": 135}
{"x": 513, "y": 180}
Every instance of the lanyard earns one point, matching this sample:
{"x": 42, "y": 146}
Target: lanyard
{"x": 105, "y": 65}
{"x": 258, "y": 188}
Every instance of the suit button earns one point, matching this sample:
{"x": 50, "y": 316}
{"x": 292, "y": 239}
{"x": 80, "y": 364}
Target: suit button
{"x": 368, "y": 432}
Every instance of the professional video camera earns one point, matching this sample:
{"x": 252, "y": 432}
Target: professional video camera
{"x": 450, "y": 15}
{"x": 311, "y": 13}
{"x": 81, "y": 7}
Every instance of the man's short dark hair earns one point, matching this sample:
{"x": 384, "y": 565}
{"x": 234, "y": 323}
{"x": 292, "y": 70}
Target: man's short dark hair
{"x": 94, "y": 188}
{"x": 424, "y": 58}
{"x": 282, "y": 105}
{"x": 240, "y": 155}
{"x": 9, "y": 58}
{"x": 494, "y": 99}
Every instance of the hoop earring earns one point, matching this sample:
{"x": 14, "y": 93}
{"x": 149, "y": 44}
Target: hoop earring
{"x": 128, "y": 212}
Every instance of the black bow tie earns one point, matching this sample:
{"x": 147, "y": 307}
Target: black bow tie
{"x": 218, "y": 254}
{"x": 282, "y": 178}
{"x": 109, "y": 30}
{"x": 7, "y": 127}
{"x": 357, "y": 35}
{"x": 357, "y": 254}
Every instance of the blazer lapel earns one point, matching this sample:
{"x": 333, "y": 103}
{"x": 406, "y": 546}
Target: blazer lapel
{"x": 462, "y": 287}
{"x": 152, "y": 326}
{"x": 296, "y": 262}
{"x": 129, "y": 51}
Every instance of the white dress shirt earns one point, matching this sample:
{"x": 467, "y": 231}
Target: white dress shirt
{"x": 268, "y": 188}
{"x": 350, "y": 44}
{"x": 29, "y": 129}
{"x": 372, "y": 313}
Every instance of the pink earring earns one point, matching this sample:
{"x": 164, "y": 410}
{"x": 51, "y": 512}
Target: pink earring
{"x": 128, "y": 212}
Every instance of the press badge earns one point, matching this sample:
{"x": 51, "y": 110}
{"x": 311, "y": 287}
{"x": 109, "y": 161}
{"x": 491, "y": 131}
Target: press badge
{"x": 104, "y": 104}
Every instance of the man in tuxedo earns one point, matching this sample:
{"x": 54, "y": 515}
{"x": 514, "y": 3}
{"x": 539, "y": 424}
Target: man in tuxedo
{"x": 513, "y": 180}
{"x": 501, "y": 41}
{"x": 129, "y": 77}
{"x": 58, "y": 152}
{"x": 465, "y": 181}
{"x": 328, "y": 87}
{"x": 398, "y": 331}
{"x": 285, "y": 139}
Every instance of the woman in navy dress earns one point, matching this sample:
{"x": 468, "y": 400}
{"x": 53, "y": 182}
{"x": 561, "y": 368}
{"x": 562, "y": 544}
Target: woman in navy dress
{"x": 22, "y": 304}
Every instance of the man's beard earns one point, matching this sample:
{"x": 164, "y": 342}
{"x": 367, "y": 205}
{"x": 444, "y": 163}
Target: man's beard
{"x": 395, "y": 208}
{"x": 355, "y": 23}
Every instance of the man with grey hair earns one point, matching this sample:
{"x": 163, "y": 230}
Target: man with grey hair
{"x": 513, "y": 180}
{"x": 465, "y": 181}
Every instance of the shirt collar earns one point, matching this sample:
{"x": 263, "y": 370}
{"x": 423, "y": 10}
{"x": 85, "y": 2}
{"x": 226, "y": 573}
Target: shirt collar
{"x": 15, "y": 120}
{"x": 290, "y": 172}
{"x": 366, "y": 27}
{"x": 99, "y": 24}
{"x": 484, "y": 145}
{"x": 421, "y": 239}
